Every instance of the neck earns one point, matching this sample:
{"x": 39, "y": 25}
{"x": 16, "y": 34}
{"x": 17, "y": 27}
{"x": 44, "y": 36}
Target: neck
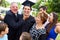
{"x": 1, "y": 35}
{"x": 27, "y": 16}
{"x": 39, "y": 24}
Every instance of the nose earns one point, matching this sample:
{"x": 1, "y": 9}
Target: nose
{"x": 15, "y": 7}
{"x": 26, "y": 10}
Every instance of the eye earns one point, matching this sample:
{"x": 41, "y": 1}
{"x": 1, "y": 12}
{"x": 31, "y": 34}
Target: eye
{"x": 16, "y": 7}
{"x": 13, "y": 7}
{"x": 28, "y": 9}
{"x": 40, "y": 10}
{"x": 25, "y": 8}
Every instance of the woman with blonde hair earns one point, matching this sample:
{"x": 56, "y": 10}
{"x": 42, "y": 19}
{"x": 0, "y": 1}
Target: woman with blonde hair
{"x": 38, "y": 31}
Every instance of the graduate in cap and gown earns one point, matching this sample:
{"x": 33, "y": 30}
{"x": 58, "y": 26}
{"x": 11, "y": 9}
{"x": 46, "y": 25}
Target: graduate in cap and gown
{"x": 29, "y": 20}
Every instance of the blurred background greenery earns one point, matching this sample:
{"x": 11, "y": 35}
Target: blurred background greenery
{"x": 52, "y": 5}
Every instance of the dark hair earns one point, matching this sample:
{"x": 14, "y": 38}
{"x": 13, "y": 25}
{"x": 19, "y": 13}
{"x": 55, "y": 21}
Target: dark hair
{"x": 28, "y": 6}
{"x": 26, "y": 36}
{"x": 55, "y": 19}
{"x": 44, "y": 7}
{"x": 43, "y": 17}
{"x": 3, "y": 26}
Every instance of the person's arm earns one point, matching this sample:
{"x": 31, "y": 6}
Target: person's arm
{"x": 47, "y": 22}
{"x": 57, "y": 29}
{"x": 10, "y": 21}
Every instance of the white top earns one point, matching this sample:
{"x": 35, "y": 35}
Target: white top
{"x": 5, "y": 37}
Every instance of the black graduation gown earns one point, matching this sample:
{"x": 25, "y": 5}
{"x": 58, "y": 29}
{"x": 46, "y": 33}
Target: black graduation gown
{"x": 14, "y": 24}
{"x": 28, "y": 24}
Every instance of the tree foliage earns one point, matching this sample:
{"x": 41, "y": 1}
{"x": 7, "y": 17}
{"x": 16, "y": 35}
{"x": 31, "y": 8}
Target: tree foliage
{"x": 4, "y": 3}
{"x": 56, "y": 5}
{"x": 19, "y": 5}
{"x": 37, "y": 4}
{"x": 52, "y": 5}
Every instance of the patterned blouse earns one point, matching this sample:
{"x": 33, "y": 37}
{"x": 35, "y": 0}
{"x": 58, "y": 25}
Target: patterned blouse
{"x": 35, "y": 33}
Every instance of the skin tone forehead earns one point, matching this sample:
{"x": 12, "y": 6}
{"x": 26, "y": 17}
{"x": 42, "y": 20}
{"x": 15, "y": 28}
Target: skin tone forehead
{"x": 26, "y": 7}
{"x": 41, "y": 8}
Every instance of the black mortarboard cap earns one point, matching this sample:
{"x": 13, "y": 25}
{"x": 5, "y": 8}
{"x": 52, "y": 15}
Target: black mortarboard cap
{"x": 28, "y": 3}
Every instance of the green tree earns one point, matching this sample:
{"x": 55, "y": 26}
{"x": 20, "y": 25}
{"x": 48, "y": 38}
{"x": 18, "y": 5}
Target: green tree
{"x": 19, "y": 5}
{"x": 56, "y": 5}
{"x": 52, "y": 5}
{"x": 4, "y": 3}
{"x": 37, "y": 4}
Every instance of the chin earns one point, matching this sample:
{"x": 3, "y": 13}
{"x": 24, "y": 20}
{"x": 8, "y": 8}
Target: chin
{"x": 27, "y": 14}
{"x": 15, "y": 12}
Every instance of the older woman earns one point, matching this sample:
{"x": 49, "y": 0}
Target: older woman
{"x": 38, "y": 31}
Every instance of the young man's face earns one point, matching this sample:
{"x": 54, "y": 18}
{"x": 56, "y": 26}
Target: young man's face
{"x": 41, "y": 10}
{"x": 27, "y": 10}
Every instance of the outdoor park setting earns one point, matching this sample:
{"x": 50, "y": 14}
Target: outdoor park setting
{"x": 52, "y": 5}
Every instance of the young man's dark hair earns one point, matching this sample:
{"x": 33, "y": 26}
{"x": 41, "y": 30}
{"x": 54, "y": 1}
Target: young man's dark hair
{"x": 44, "y": 7}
